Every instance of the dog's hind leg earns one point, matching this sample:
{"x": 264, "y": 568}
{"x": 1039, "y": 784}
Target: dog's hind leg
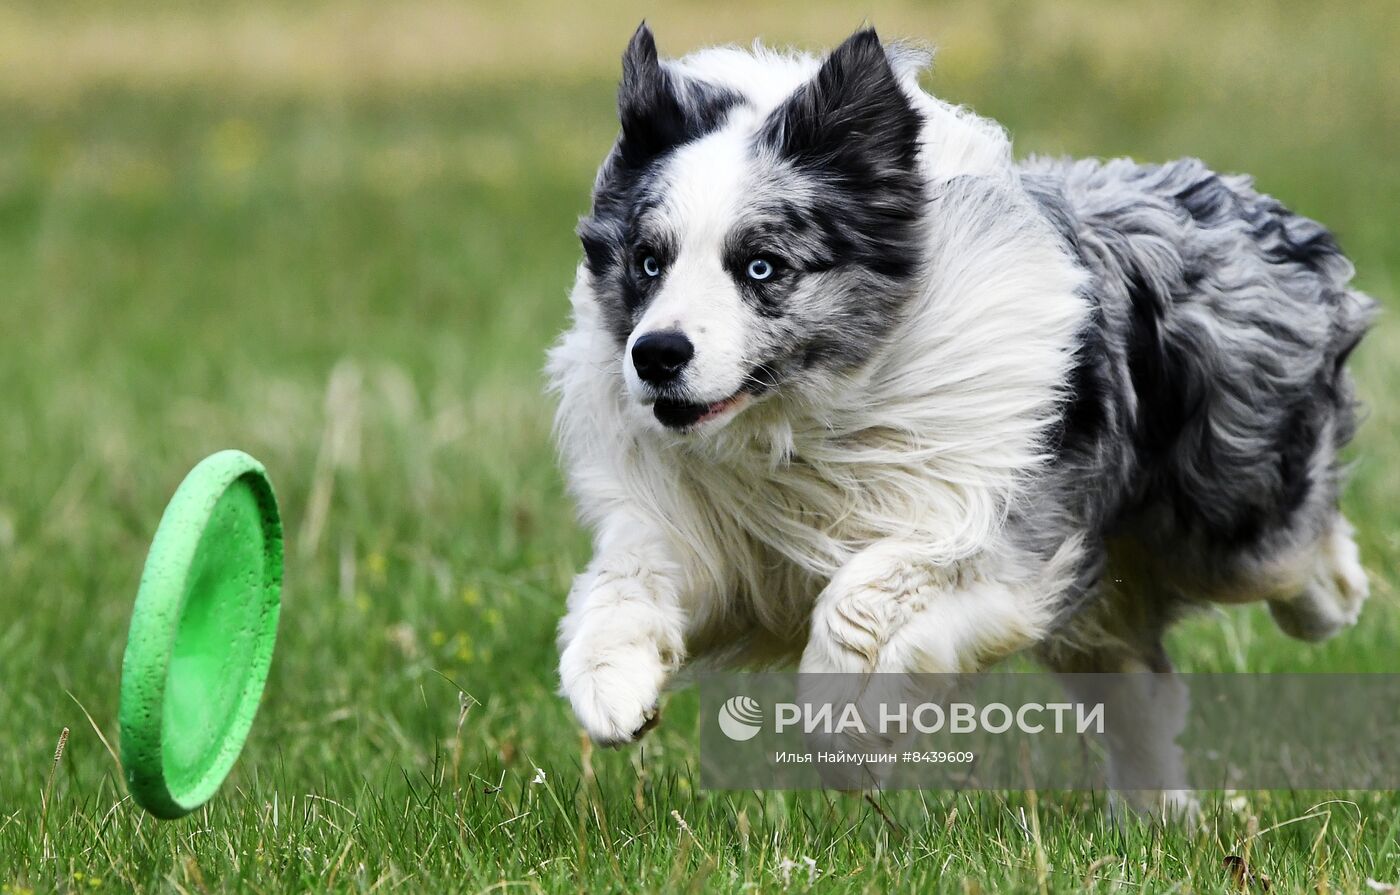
{"x": 1320, "y": 589}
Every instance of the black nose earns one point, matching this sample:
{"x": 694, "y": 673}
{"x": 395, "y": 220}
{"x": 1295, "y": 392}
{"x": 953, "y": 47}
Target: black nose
{"x": 659, "y": 357}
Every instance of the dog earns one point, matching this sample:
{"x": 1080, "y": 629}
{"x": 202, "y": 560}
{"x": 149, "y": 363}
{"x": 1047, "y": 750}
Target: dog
{"x": 847, "y": 384}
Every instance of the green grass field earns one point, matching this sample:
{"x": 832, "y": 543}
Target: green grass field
{"x": 340, "y": 237}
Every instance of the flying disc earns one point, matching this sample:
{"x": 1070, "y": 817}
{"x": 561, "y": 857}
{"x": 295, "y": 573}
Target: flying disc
{"x": 201, "y": 635}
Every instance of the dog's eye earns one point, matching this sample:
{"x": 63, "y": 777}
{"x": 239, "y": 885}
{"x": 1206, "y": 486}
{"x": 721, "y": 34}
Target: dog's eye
{"x": 650, "y": 266}
{"x": 760, "y": 269}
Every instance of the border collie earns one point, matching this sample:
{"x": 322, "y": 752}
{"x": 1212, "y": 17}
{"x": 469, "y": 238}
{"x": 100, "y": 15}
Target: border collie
{"x": 847, "y": 383}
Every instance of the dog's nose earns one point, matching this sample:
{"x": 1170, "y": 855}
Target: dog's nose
{"x": 659, "y": 357}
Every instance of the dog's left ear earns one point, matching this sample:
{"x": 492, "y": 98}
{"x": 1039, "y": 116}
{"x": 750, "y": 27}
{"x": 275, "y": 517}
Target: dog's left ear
{"x": 852, "y": 117}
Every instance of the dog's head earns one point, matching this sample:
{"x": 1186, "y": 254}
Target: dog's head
{"x": 747, "y": 238}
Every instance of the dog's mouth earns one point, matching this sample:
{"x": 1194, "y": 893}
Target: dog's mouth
{"x": 684, "y": 414}
{"x": 679, "y": 415}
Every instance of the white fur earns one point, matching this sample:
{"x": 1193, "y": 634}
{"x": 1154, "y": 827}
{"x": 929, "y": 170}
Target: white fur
{"x": 698, "y": 296}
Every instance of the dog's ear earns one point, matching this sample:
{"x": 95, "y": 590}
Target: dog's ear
{"x": 852, "y": 117}
{"x": 653, "y": 119}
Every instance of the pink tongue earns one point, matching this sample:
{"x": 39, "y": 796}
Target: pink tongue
{"x": 716, "y": 408}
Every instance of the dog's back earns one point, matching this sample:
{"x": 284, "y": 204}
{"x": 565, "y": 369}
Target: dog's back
{"x": 1211, "y": 400}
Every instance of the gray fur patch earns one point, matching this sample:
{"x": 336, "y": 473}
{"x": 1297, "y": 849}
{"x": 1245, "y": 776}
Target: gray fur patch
{"x": 1210, "y": 400}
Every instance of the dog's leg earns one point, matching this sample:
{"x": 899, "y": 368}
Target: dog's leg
{"x": 623, "y": 635}
{"x": 891, "y": 610}
{"x": 1327, "y": 592}
{"x": 891, "y": 616}
{"x": 1145, "y": 709}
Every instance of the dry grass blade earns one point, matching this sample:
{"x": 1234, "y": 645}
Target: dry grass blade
{"x": 890, "y": 822}
{"x": 116, "y": 760}
{"x": 48, "y": 791}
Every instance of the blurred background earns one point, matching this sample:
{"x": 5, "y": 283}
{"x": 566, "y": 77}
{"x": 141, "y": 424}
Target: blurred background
{"x": 339, "y": 236}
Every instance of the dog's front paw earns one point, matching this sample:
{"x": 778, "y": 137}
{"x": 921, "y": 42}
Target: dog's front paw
{"x": 615, "y": 692}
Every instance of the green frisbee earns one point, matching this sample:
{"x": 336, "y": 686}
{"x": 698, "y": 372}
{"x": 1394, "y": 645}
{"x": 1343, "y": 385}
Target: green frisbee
{"x": 201, "y": 635}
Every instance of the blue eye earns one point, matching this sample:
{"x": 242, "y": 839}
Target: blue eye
{"x": 650, "y": 266}
{"x": 760, "y": 269}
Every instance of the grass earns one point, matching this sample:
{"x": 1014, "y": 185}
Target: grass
{"x": 354, "y": 277}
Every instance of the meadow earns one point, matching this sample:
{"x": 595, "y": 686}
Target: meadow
{"x": 339, "y": 236}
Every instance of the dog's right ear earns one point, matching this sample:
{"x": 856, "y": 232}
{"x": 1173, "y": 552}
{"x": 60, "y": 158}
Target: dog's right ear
{"x": 653, "y": 119}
